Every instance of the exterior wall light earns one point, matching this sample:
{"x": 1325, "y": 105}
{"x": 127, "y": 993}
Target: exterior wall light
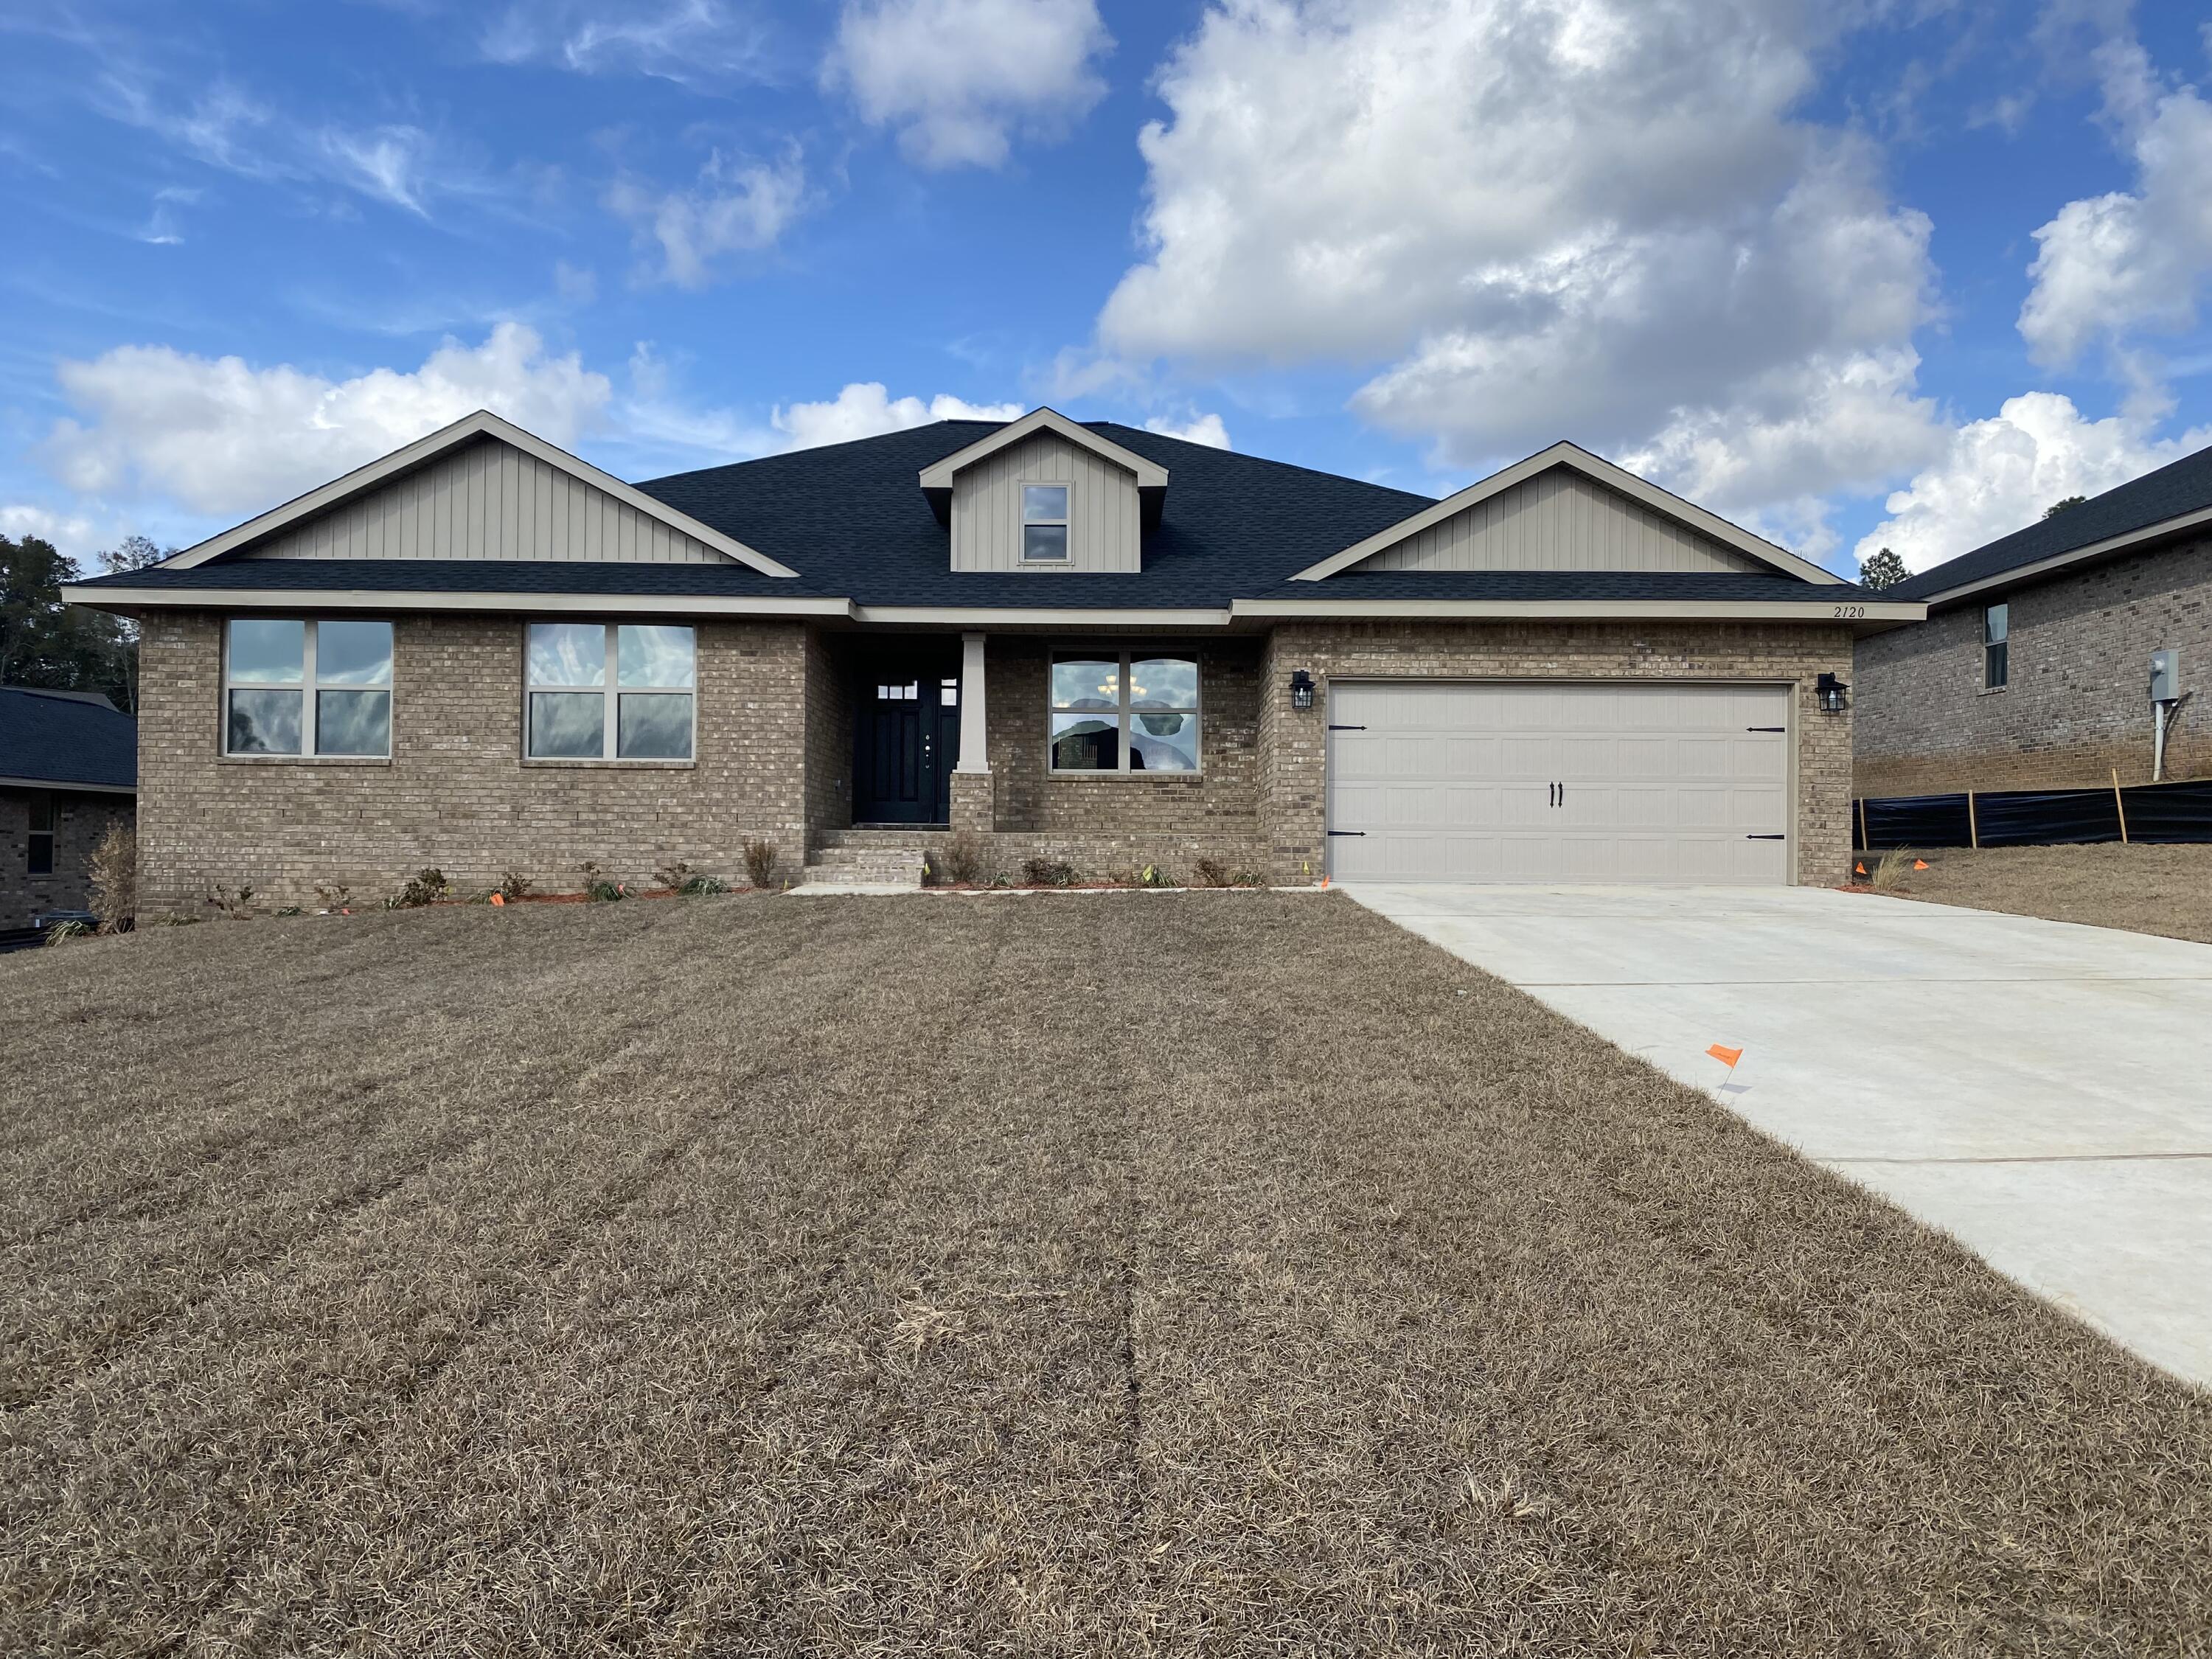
{"x": 1829, "y": 690}
{"x": 1302, "y": 689}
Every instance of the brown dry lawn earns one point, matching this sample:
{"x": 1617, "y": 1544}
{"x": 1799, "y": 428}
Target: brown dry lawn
{"x": 2147, "y": 890}
{"x": 1120, "y": 1274}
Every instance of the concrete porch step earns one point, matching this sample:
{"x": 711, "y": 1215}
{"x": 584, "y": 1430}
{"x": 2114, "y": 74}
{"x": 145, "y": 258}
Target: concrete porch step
{"x": 864, "y": 866}
{"x": 917, "y": 838}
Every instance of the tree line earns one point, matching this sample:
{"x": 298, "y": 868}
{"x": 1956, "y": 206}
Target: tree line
{"x": 65, "y": 647}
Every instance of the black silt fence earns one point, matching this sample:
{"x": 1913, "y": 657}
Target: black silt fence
{"x": 2036, "y": 818}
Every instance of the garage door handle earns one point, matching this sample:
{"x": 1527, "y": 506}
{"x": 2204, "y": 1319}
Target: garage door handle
{"x": 1347, "y": 728}
{"x": 1347, "y": 832}
{"x": 1766, "y": 838}
{"x": 1766, "y": 728}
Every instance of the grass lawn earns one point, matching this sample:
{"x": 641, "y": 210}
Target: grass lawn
{"x": 1223, "y": 1273}
{"x": 2148, "y": 890}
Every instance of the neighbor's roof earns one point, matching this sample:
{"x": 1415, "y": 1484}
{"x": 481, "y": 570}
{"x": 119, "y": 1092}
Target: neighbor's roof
{"x": 65, "y": 737}
{"x": 2152, "y": 505}
{"x": 854, "y": 524}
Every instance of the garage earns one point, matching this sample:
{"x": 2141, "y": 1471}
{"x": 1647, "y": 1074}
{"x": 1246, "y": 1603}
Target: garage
{"x": 1559, "y": 781}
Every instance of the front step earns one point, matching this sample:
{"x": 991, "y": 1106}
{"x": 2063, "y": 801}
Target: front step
{"x": 865, "y": 866}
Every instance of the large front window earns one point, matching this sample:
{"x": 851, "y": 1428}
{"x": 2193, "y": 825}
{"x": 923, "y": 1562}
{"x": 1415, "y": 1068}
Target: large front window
{"x": 1121, "y": 713}
{"x": 307, "y": 688}
{"x": 609, "y": 691}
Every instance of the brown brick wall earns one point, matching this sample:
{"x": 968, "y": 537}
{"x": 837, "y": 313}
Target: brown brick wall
{"x": 80, "y": 821}
{"x": 1294, "y": 744}
{"x": 2076, "y": 704}
{"x": 456, "y": 793}
{"x": 829, "y": 718}
{"x": 1154, "y": 813}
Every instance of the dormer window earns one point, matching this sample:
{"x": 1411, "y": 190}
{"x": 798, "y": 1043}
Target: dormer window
{"x": 1044, "y": 524}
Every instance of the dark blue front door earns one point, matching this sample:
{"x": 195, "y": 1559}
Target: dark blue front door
{"x": 906, "y": 738}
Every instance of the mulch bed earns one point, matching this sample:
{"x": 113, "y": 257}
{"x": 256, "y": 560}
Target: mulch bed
{"x": 1146, "y": 1276}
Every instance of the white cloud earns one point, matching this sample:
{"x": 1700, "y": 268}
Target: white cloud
{"x": 389, "y": 163}
{"x": 865, "y": 409}
{"x": 2107, "y": 266}
{"x": 1598, "y": 219}
{"x": 1997, "y": 476}
{"x": 221, "y": 436}
{"x": 959, "y": 78}
{"x": 686, "y": 41}
{"x": 737, "y": 207}
{"x": 1198, "y": 429}
{"x": 73, "y": 533}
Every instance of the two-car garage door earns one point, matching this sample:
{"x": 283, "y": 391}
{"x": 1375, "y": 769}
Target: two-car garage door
{"x": 1563, "y": 782}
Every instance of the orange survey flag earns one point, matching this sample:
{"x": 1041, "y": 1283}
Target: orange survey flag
{"x": 1920, "y": 864}
{"x": 1727, "y": 1057}
{"x": 499, "y": 898}
{"x": 1858, "y": 869}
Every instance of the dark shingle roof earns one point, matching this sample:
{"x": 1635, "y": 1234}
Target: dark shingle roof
{"x": 852, "y": 520}
{"x": 2184, "y": 486}
{"x": 61, "y": 738}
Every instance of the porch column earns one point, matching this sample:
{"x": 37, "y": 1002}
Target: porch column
{"x": 974, "y": 756}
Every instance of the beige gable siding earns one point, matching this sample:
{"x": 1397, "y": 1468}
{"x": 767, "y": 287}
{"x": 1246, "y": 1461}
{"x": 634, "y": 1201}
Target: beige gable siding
{"x": 1559, "y": 520}
{"x": 486, "y": 500}
{"x": 1105, "y": 526}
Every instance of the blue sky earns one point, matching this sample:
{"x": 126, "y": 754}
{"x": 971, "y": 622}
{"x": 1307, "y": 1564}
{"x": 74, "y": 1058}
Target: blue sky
{"x": 1853, "y": 274}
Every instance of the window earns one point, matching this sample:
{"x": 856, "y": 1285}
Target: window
{"x": 609, "y": 691}
{"x": 1996, "y": 649}
{"x": 271, "y": 667}
{"x": 1124, "y": 714}
{"x": 1044, "y": 524}
{"x": 41, "y": 847}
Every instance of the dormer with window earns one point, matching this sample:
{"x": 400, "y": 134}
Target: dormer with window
{"x": 1045, "y": 494}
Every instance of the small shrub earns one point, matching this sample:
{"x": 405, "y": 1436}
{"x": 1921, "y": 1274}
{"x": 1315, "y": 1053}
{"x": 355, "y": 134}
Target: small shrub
{"x": 335, "y": 896}
{"x": 1248, "y": 879}
{"x": 1211, "y": 873}
{"x": 1152, "y": 875}
{"x": 606, "y": 892}
{"x": 1048, "y": 872}
{"x": 1889, "y": 869}
{"x": 428, "y": 885}
{"x": 760, "y": 862}
{"x": 514, "y": 885}
{"x": 114, "y": 878}
{"x": 63, "y": 932}
{"x": 291, "y": 910}
{"x": 676, "y": 877}
{"x": 964, "y": 858}
{"x": 230, "y": 901}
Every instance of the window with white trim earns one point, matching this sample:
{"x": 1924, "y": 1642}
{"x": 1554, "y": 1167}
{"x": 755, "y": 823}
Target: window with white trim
{"x": 1996, "y": 648}
{"x": 306, "y": 689}
{"x": 609, "y": 691}
{"x": 1044, "y": 524}
{"x": 1124, "y": 713}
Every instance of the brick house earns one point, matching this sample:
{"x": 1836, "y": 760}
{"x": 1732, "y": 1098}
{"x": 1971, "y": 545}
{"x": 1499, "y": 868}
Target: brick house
{"x": 1087, "y": 643}
{"x": 2033, "y": 668}
{"x": 68, "y": 771}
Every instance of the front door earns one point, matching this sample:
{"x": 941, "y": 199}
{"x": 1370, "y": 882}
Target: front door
{"x": 906, "y": 739}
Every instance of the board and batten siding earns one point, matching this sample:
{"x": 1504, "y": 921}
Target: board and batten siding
{"x": 1105, "y": 516}
{"x": 1559, "y": 520}
{"x": 487, "y": 501}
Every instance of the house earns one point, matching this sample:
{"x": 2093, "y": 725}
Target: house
{"x": 68, "y": 771}
{"x": 2034, "y": 669}
{"x": 1080, "y": 642}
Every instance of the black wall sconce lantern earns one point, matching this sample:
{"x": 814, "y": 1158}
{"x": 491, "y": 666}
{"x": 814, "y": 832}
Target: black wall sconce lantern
{"x": 1829, "y": 690}
{"x": 1302, "y": 689}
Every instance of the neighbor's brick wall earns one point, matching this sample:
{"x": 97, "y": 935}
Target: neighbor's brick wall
{"x": 456, "y": 793}
{"x": 80, "y": 821}
{"x": 828, "y": 742}
{"x": 1294, "y": 744}
{"x": 1215, "y": 812}
{"x": 2077, "y": 704}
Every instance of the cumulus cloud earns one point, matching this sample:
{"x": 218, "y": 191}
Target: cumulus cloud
{"x": 221, "y": 436}
{"x": 1996, "y": 476}
{"x": 73, "y": 533}
{"x": 1599, "y": 219}
{"x": 866, "y": 408}
{"x": 686, "y": 41}
{"x": 1198, "y": 429}
{"x": 958, "y": 79}
{"x": 2107, "y": 266}
{"x": 736, "y": 207}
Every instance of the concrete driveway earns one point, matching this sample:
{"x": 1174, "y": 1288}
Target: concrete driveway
{"x": 2040, "y": 1091}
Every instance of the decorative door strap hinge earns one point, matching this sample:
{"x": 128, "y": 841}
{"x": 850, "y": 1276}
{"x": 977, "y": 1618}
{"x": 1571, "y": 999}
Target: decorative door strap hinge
{"x": 1347, "y": 728}
{"x": 1347, "y": 832}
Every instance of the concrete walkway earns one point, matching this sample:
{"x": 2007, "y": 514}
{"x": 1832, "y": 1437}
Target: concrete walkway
{"x": 2040, "y": 1091}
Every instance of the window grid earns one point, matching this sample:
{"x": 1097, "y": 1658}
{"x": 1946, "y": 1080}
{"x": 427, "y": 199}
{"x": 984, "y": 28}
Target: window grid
{"x": 310, "y": 689}
{"x": 612, "y": 694}
{"x": 1123, "y": 716}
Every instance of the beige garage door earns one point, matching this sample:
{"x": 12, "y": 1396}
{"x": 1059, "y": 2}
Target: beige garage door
{"x": 1619, "y": 781}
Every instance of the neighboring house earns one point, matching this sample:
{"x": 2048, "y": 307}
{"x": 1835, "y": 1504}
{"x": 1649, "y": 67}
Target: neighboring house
{"x": 2034, "y": 669}
{"x": 68, "y": 771}
{"x": 1087, "y": 642}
